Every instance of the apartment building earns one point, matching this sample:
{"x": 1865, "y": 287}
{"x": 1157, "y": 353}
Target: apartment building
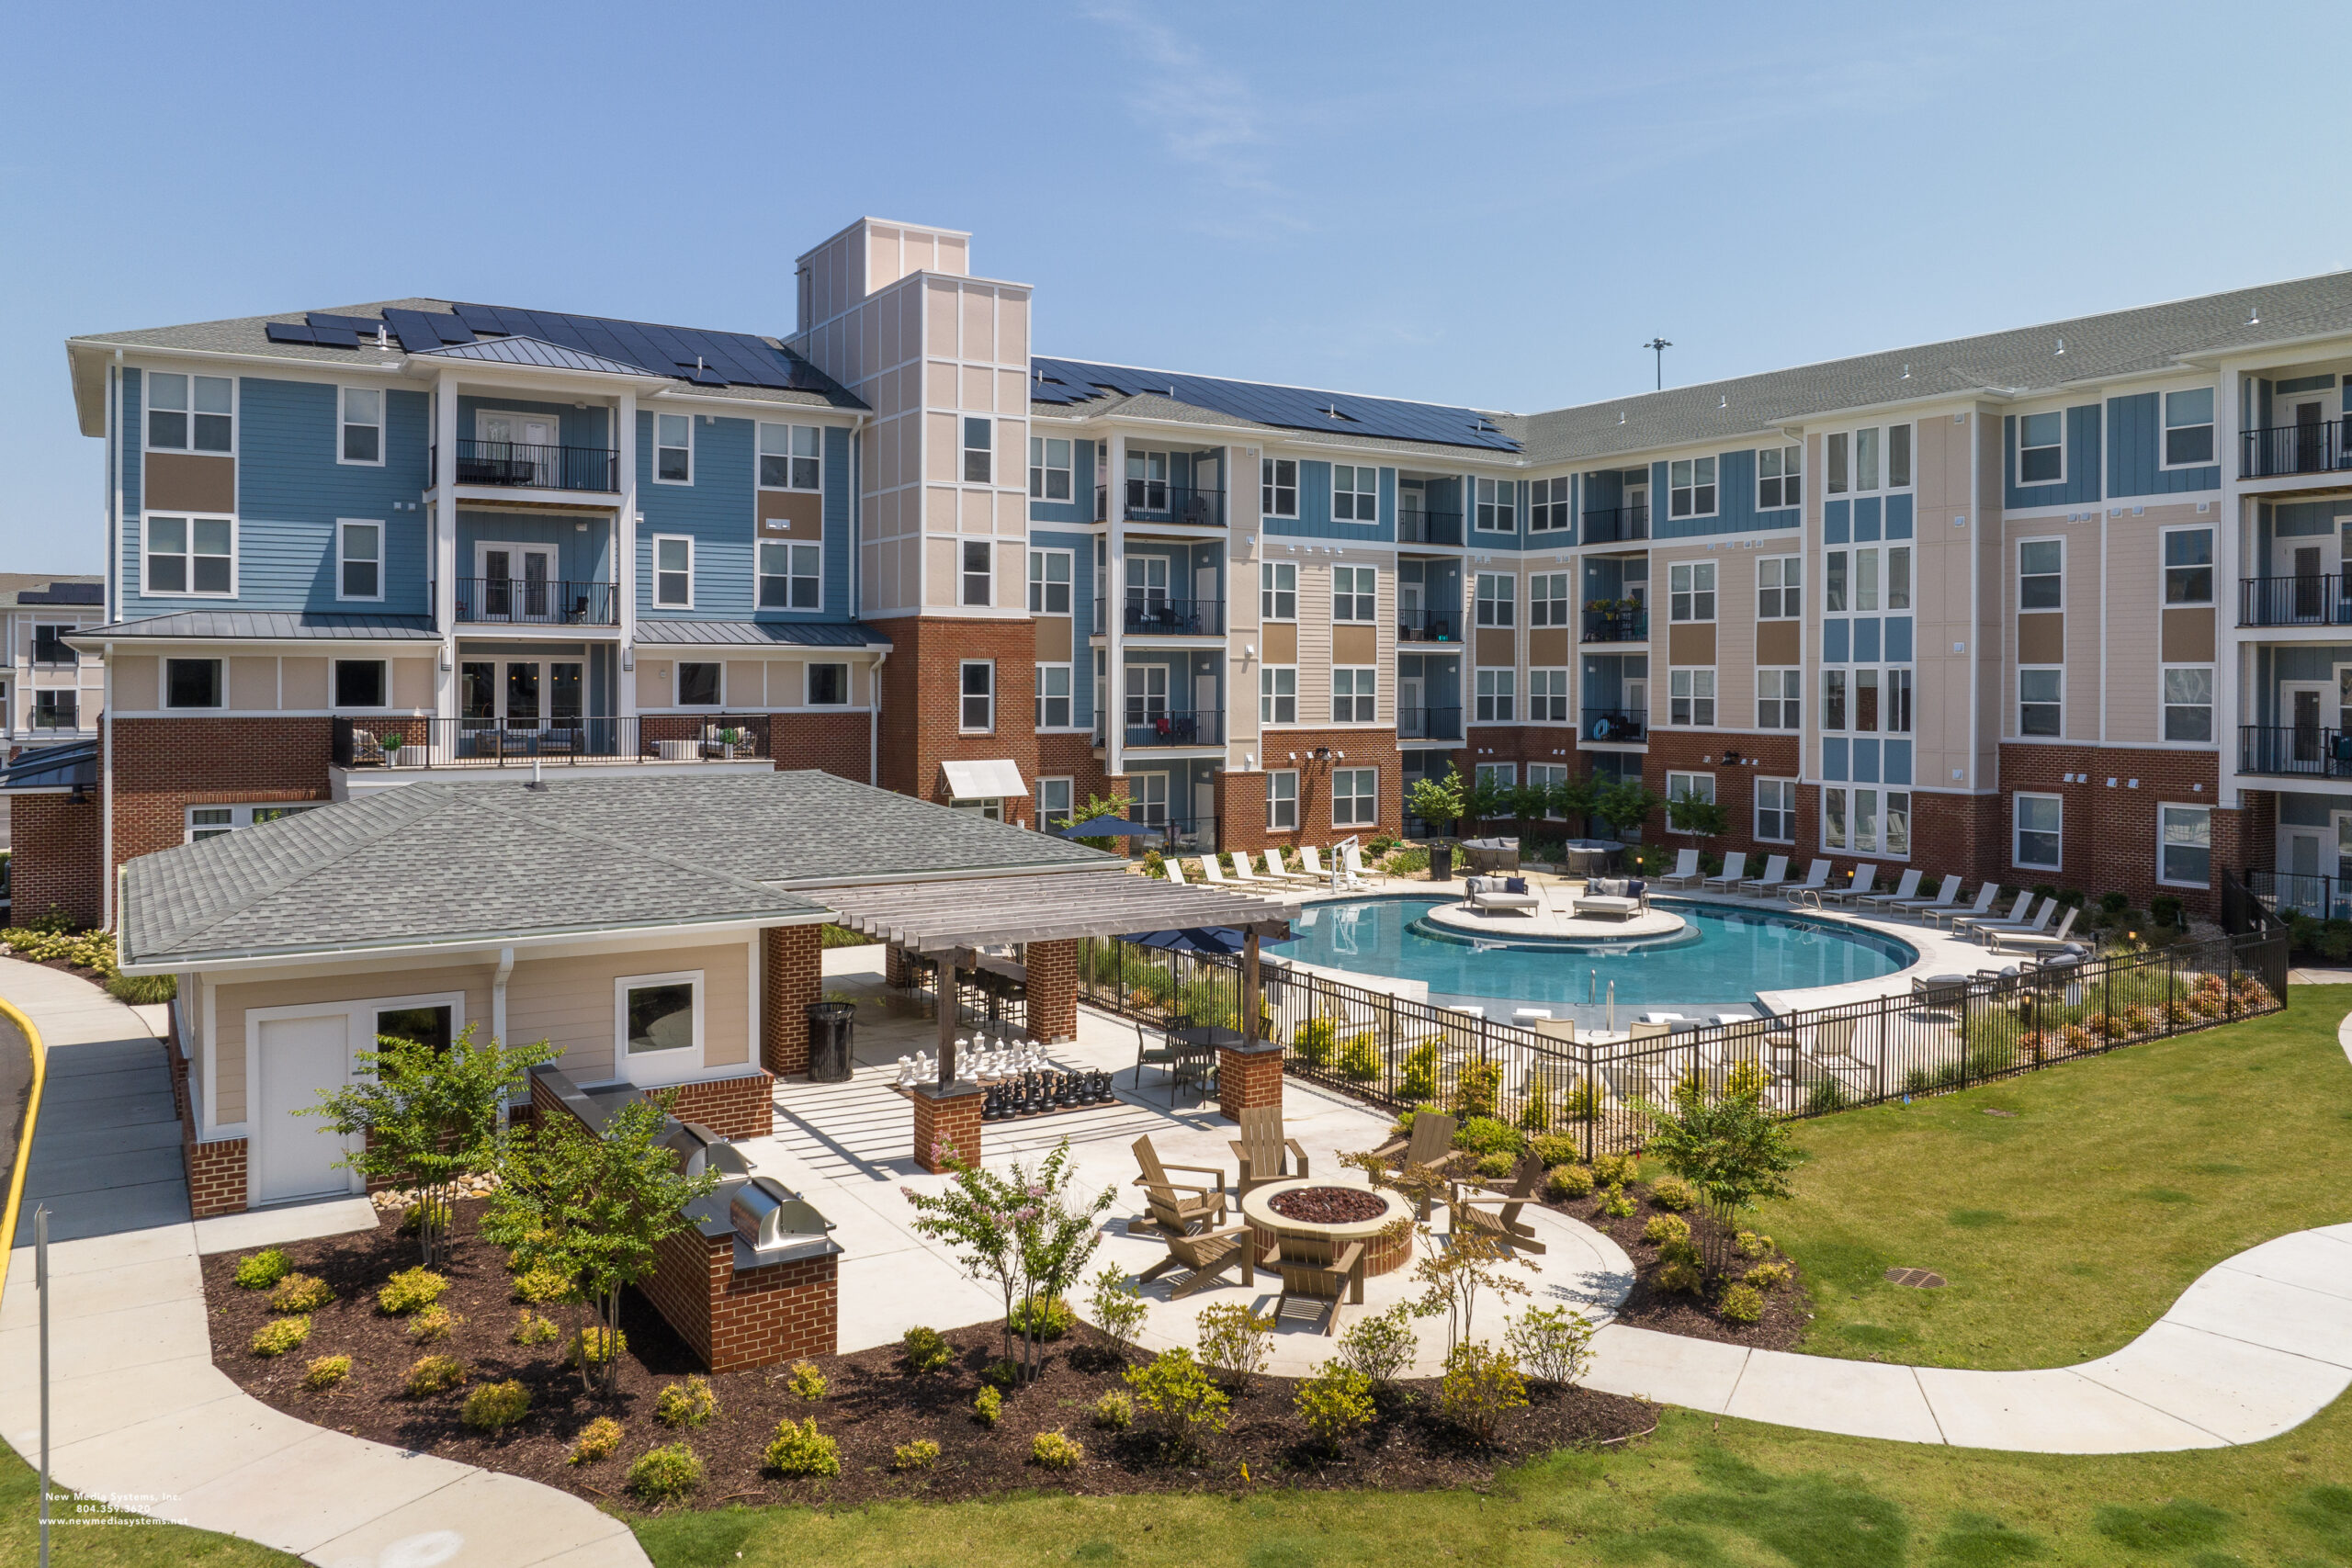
{"x": 1965, "y": 605}
{"x": 49, "y": 697}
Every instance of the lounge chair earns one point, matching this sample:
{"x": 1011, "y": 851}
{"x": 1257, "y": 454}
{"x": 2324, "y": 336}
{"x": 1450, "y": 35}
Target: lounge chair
{"x": 2016, "y": 916}
{"x": 1274, "y": 867}
{"x": 1830, "y": 1038}
{"x": 1352, "y": 867}
{"x": 1947, "y": 897}
{"x": 1734, "y": 868}
{"x": 1213, "y": 872}
{"x": 1561, "y": 1029}
{"x": 1816, "y": 881}
{"x": 1493, "y": 893}
{"x": 1906, "y": 888}
{"x": 1615, "y": 899}
{"x": 1686, "y": 873}
{"x": 1470, "y": 1210}
{"x": 1264, "y": 1154}
{"x": 1976, "y": 911}
{"x": 1174, "y": 866}
{"x": 1775, "y": 877}
{"x": 1312, "y": 859}
{"x": 2005, "y": 941}
{"x": 1175, "y": 1206}
{"x": 1241, "y": 872}
{"x": 1865, "y": 878}
{"x": 1204, "y": 1258}
{"x": 2034, "y": 927}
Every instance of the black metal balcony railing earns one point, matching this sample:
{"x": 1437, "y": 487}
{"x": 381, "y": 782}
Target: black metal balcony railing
{"x": 1427, "y": 625}
{"x": 1615, "y": 726}
{"x": 1616, "y": 525}
{"x": 551, "y": 742}
{"x": 2295, "y": 750}
{"x": 1168, "y": 727}
{"x": 1159, "y": 501}
{"x": 1428, "y": 724}
{"x": 1626, "y": 625}
{"x": 2315, "y": 601}
{"x": 2303, "y": 893}
{"x": 522, "y": 466}
{"x": 1429, "y": 528}
{"x": 2317, "y": 448}
{"x": 507, "y": 600}
{"x": 1157, "y": 615}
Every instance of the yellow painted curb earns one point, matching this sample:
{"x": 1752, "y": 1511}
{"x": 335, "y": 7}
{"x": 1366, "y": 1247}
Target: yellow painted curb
{"x": 24, "y": 1143}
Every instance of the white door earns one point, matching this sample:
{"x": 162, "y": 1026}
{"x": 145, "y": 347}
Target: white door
{"x": 1205, "y": 601}
{"x": 517, "y": 582}
{"x": 532, "y": 439}
{"x": 1205, "y": 704}
{"x": 1411, "y": 721}
{"x": 1205, "y": 814}
{"x": 294, "y": 1156}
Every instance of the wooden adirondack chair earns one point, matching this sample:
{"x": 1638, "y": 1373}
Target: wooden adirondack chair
{"x": 1261, "y": 1150}
{"x": 1429, "y": 1146}
{"x": 1318, "y": 1271}
{"x": 1176, "y": 1207}
{"x": 1205, "y": 1256}
{"x": 1470, "y": 1208}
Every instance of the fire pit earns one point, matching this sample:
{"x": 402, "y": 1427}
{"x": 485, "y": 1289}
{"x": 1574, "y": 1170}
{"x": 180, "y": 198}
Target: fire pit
{"x": 1305, "y": 1219}
{"x": 1329, "y": 1205}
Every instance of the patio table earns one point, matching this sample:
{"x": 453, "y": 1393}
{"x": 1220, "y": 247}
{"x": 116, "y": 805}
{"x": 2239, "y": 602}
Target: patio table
{"x": 1208, "y": 1037}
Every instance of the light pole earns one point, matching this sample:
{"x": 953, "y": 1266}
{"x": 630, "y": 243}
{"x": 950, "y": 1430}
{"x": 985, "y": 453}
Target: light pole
{"x": 1659, "y": 346}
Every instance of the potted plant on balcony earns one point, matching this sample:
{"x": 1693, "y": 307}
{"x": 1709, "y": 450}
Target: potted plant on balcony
{"x": 393, "y": 746}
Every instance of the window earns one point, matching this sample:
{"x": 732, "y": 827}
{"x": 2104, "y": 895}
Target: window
{"x": 1497, "y": 593}
{"x": 1148, "y": 696}
{"x": 978, "y": 444}
{"x": 363, "y": 425}
{"x": 191, "y": 682}
{"x": 1355, "y": 589}
{"x": 1691, "y": 696}
{"x": 1278, "y": 487}
{"x": 1866, "y": 821}
{"x": 2039, "y": 702}
{"x": 1833, "y": 699}
{"x": 1055, "y": 801}
{"x": 1866, "y": 701}
{"x": 792, "y": 457}
{"x": 699, "y": 686}
{"x": 1690, "y": 590}
{"x": 1049, "y": 468}
{"x": 1282, "y": 801}
{"x": 2189, "y": 434}
{"x": 791, "y": 576}
{"x": 1049, "y": 578}
{"x": 1547, "y": 696}
{"x": 2042, "y": 574}
{"x": 359, "y": 684}
{"x": 1898, "y": 457}
{"x": 56, "y": 710}
{"x": 1691, "y": 488}
{"x": 1278, "y": 693}
{"x": 1053, "y": 697}
{"x": 1898, "y": 576}
{"x": 979, "y": 685}
{"x": 1503, "y": 774}
{"x": 1352, "y": 694}
{"x": 1861, "y": 459}
{"x": 2189, "y": 566}
{"x": 1866, "y": 459}
{"x": 173, "y": 425}
{"x": 1779, "y": 477}
{"x": 673, "y": 448}
{"x": 661, "y": 1023}
{"x": 976, "y": 572}
{"x": 1547, "y": 599}
{"x": 1841, "y": 481}
{"x": 192, "y": 556}
{"x": 1278, "y": 591}
{"x": 1833, "y": 576}
{"x": 212, "y": 821}
{"x": 1498, "y": 506}
{"x": 1898, "y": 701}
{"x": 1866, "y": 580}
{"x": 1681, "y": 787}
{"x": 2042, "y": 448}
{"x": 1495, "y": 694}
{"x": 428, "y": 1025}
{"x": 50, "y": 647}
{"x": 1777, "y": 704}
{"x": 359, "y": 560}
{"x": 1547, "y": 505}
{"x": 2185, "y": 845}
{"x": 1776, "y": 810}
{"x": 2188, "y": 703}
{"x": 827, "y": 685}
{"x": 673, "y": 571}
{"x": 1779, "y": 596}
{"x": 1355, "y": 493}
{"x": 1548, "y": 776}
{"x": 1147, "y": 479}
{"x": 1355, "y": 798}
{"x": 2038, "y": 837}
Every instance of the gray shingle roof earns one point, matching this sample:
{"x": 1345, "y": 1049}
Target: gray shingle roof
{"x": 267, "y": 625}
{"x": 52, "y": 590}
{"x": 760, "y": 634}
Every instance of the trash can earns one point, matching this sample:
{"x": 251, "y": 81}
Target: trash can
{"x": 1441, "y": 863}
{"x": 833, "y": 1040}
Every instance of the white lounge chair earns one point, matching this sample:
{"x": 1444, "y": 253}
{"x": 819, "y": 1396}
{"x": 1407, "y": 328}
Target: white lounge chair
{"x": 1734, "y": 868}
{"x": 1211, "y": 872}
{"x": 1816, "y": 880}
{"x": 1947, "y": 897}
{"x": 1686, "y": 872}
{"x": 2033, "y": 942}
{"x": 2016, "y": 916}
{"x": 1488, "y": 893}
{"x": 1865, "y": 878}
{"x": 1312, "y": 859}
{"x": 1775, "y": 877}
{"x": 1906, "y": 888}
{"x": 1174, "y": 866}
{"x": 1352, "y": 866}
{"x": 2034, "y": 927}
{"x": 1274, "y": 867}
{"x": 1241, "y": 872}
{"x": 1959, "y": 912}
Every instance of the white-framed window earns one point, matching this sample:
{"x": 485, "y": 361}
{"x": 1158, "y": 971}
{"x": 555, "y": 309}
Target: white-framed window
{"x": 1278, "y": 591}
{"x": 701, "y": 684}
{"x": 2189, "y": 435}
{"x": 1282, "y": 801}
{"x": 1278, "y": 693}
{"x": 212, "y": 821}
{"x": 1503, "y": 774}
{"x": 673, "y": 569}
{"x": 362, "y": 438}
{"x": 2189, "y": 566}
{"x": 1547, "y": 599}
{"x": 1779, "y": 477}
{"x": 1057, "y": 798}
{"x": 792, "y": 457}
{"x": 1837, "y": 568}
{"x": 1898, "y": 576}
{"x": 1690, "y": 697}
{"x": 1548, "y": 695}
{"x": 976, "y": 588}
{"x": 1049, "y": 468}
{"x": 1498, "y": 596}
{"x": 792, "y": 576}
{"x": 50, "y": 650}
{"x": 2184, "y": 845}
{"x": 358, "y": 559}
{"x": 2037, "y": 834}
{"x": 196, "y": 556}
{"x": 1053, "y": 697}
{"x": 979, "y": 449}
{"x": 1498, "y": 506}
{"x": 976, "y": 682}
{"x": 1355, "y": 592}
{"x": 1496, "y": 689}
{"x": 1898, "y": 701}
{"x": 2188, "y": 702}
{"x": 1355, "y": 493}
{"x": 2042, "y": 574}
{"x": 827, "y": 685}
{"x": 1868, "y": 459}
{"x": 1148, "y": 478}
{"x": 1776, "y": 810}
{"x": 1355, "y": 798}
{"x": 1682, "y": 787}
{"x": 1780, "y": 594}
{"x": 53, "y": 707}
{"x": 1049, "y": 581}
{"x": 1547, "y": 505}
{"x": 190, "y": 413}
{"x": 1865, "y": 820}
{"x": 673, "y": 448}
{"x": 1870, "y": 579}
{"x": 1353, "y": 689}
{"x": 1690, "y": 590}
{"x": 361, "y": 684}
{"x": 2041, "y": 701}
{"x": 656, "y": 1026}
{"x": 2041, "y": 447}
{"x": 192, "y": 684}
{"x": 1690, "y": 487}
{"x": 1779, "y": 702}
{"x": 1834, "y": 685}
{"x": 1278, "y": 487}
{"x": 1545, "y": 776}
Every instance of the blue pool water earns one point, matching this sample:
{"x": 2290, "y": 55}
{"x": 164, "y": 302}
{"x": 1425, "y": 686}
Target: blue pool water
{"x": 1737, "y": 953}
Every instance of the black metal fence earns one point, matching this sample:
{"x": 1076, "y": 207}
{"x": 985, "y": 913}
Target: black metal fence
{"x": 2318, "y": 447}
{"x": 1429, "y": 527}
{"x": 2319, "y": 599}
{"x": 2293, "y": 750}
{"x": 529, "y": 465}
{"x": 537, "y": 600}
{"x": 1396, "y": 1052}
{"x": 1616, "y": 525}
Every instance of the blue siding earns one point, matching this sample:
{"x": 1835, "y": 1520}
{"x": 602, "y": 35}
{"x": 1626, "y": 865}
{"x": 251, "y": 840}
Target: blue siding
{"x": 1736, "y": 510}
{"x": 716, "y": 511}
{"x": 590, "y": 427}
{"x": 2135, "y": 451}
{"x": 2082, "y": 482}
{"x": 133, "y": 437}
{"x": 1080, "y": 507}
{"x": 1314, "y": 520}
{"x": 581, "y": 556}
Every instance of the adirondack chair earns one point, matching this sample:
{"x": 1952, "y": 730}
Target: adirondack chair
{"x": 1470, "y": 1210}
{"x": 1204, "y": 1258}
{"x": 1317, "y": 1271}
{"x": 1263, "y": 1153}
{"x": 1177, "y": 1206}
{"x": 1734, "y": 873}
{"x": 1429, "y": 1145}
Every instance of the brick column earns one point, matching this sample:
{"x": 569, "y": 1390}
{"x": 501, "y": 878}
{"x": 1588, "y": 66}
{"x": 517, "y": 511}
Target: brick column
{"x": 896, "y": 970}
{"x": 792, "y": 976}
{"x": 733, "y": 1108}
{"x": 944, "y": 1117}
{"x": 1240, "y": 810}
{"x": 1053, "y": 990}
{"x": 216, "y": 1177}
{"x": 1248, "y": 1078}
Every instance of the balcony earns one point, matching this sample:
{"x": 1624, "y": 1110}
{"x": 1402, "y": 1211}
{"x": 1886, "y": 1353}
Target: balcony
{"x": 2295, "y": 750}
{"x": 1428, "y": 724}
{"x": 1616, "y": 727}
{"x": 1148, "y": 728}
{"x": 2318, "y": 601}
{"x": 1429, "y": 528}
{"x": 1429, "y": 626}
{"x": 524, "y": 601}
{"x": 1158, "y": 501}
{"x": 2323, "y": 447}
{"x": 433, "y": 743}
{"x": 513, "y": 465}
{"x": 1155, "y": 614}
{"x": 1616, "y": 525}
{"x": 1622, "y": 622}
{"x": 2302, "y": 892}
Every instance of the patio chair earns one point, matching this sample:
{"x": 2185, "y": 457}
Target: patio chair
{"x": 1734, "y": 869}
{"x": 1984, "y": 930}
{"x": 1429, "y": 1146}
{"x": 1352, "y": 866}
{"x": 1775, "y": 877}
{"x": 1470, "y": 1210}
{"x": 1174, "y": 866}
{"x": 1317, "y": 1271}
{"x": 1947, "y": 897}
{"x": 2018, "y": 912}
{"x": 1312, "y": 859}
{"x": 1177, "y": 1206}
{"x": 2034, "y": 942}
{"x": 1865, "y": 878}
{"x": 1164, "y": 1056}
{"x": 1816, "y": 880}
{"x": 1263, "y": 1152}
{"x": 1561, "y": 1029}
{"x": 1958, "y": 912}
{"x": 1906, "y": 888}
{"x": 1495, "y": 893}
{"x": 1212, "y": 873}
{"x": 1242, "y": 871}
{"x": 1274, "y": 867}
{"x": 1686, "y": 873}
{"x": 1204, "y": 1258}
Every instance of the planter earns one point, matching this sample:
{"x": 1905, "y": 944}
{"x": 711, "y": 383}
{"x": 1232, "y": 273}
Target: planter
{"x": 1441, "y": 863}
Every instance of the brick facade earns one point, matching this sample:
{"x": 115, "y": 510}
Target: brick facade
{"x": 733, "y": 1108}
{"x": 757, "y": 1317}
{"x": 1761, "y": 756}
{"x": 2107, "y": 839}
{"x": 1065, "y": 756}
{"x": 1363, "y": 748}
{"x": 945, "y": 1121}
{"x": 54, "y": 864}
{"x": 921, "y": 698}
{"x": 1247, "y": 1079}
{"x": 1053, "y": 990}
{"x": 837, "y": 743}
{"x": 163, "y": 766}
{"x": 1241, "y": 812}
{"x": 792, "y": 976}
{"x": 216, "y": 1170}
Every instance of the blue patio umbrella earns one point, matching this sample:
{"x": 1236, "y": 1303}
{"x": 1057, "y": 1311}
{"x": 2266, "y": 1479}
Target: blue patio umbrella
{"x": 1221, "y": 941}
{"x": 1108, "y": 827}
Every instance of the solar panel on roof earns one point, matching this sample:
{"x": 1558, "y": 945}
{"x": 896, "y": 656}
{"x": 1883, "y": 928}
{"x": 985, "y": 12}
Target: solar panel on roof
{"x": 334, "y": 337}
{"x": 289, "y": 332}
{"x": 1291, "y": 408}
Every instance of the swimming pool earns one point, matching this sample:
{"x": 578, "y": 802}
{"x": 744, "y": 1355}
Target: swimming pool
{"x": 1738, "y": 953}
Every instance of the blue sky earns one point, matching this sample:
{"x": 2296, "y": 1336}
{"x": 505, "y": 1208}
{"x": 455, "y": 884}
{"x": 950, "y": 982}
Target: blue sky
{"x": 1487, "y": 205}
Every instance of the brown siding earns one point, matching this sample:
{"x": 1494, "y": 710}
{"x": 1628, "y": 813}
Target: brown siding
{"x": 190, "y": 483}
{"x": 1353, "y": 644}
{"x": 1778, "y": 643}
{"x": 1281, "y": 642}
{"x": 1054, "y": 640}
{"x": 1692, "y": 644}
{"x": 1497, "y": 649}
{"x": 785, "y": 515}
{"x": 2041, "y": 638}
{"x": 1547, "y": 646}
{"x": 2188, "y": 636}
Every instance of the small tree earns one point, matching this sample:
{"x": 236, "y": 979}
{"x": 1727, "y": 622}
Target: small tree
{"x": 1731, "y": 1149}
{"x": 1626, "y": 804}
{"x": 1437, "y": 801}
{"x": 1690, "y": 814}
{"x": 1530, "y": 801}
{"x": 427, "y": 1118}
{"x": 1573, "y": 798}
{"x": 1454, "y": 1274}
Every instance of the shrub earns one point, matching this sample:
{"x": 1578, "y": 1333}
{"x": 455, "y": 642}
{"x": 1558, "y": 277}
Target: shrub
{"x": 1553, "y": 1344}
{"x": 1178, "y": 1397}
{"x": 1236, "y": 1341}
{"x": 1419, "y": 1080}
{"x": 412, "y": 1218}
{"x": 1497, "y": 1165}
{"x": 1617, "y": 1206}
{"x": 687, "y": 1404}
{"x": 411, "y": 1289}
{"x": 1748, "y": 1244}
{"x": 430, "y": 1325}
{"x": 280, "y": 1335}
{"x": 1381, "y": 1345}
{"x": 1360, "y": 1059}
{"x": 1746, "y": 1080}
{"x": 300, "y": 1293}
{"x": 1616, "y": 1171}
{"x": 988, "y": 1406}
{"x": 2074, "y": 1037}
{"x": 1406, "y": 861}
{"x": 601, "y": 1439}
{"x": 433, "y": 1374}
{"x": 921, "y": 1454}
{"x": 264, "y": 1268}
{"x": 1674, "y": 1193}
{"x": 798, "y": 1448}
{"x": 530, "y": 1328}
{"x": 594, "y": 1346}
{"x": 1580, "y": 1102}
{"x": 1567, "y": 1182}
{"x": 1115, "y": 1411}
{"x": 2166, "y": 909}
{"x": 325, "y": 1373}
{"x": 1484, "y": 1135}
{"x": 1827, "y": 1098}
{"x": 1664, "y": 1229}
{"x": 494, "y": 1407}
{"x": 1335, "y": 1404}
{"x": 1318, "y": 1040}
{"x": 1055, "y": 1449}
{"x": 1117, "y": 1304}
{"x": 143, "y": 990}
{"x": 2140, "y": 1019}
{"x": 926, "y": 1351}
{"x": 1481, "y": 1386}
{"x": 807, "y": 1381}
{"x": 1741, "y": 1304}
{"x": 1681, "y": 1269}
{"x": 1476, "y": 1089}
{"x": 1555, "y": 1148}
{"x": 540, "y": 1284}
{"x": 669, "y": 1473}
{"x": 1001, "y": 1373}
{"x": 1035, "y": 1317}
{"x": 1768, "y": 1276}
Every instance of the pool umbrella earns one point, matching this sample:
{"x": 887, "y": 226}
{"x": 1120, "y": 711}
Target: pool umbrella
{"x": 1221, "y": 941}
{"x": 1108, "y": 827}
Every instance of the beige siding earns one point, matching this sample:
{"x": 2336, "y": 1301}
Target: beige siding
{"x": 569, "y": 1002}
{"x": 2135, "y": 631}
{"x": 1314, "y": 643}
{"x": 137, "y": 683}
{"x": 303, "y": 681}
{"x": 231, "y": 1003}
{"x": 2086, "y": 664}
{"x": 1942, "y": 575}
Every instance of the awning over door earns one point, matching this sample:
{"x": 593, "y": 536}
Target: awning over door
{"x": 995, "y": 780}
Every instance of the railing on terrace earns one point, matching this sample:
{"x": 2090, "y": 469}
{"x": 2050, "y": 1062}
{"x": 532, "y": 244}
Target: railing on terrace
{"x": 1398, "y": 1052}
{"x": 1429, "y": 626}
{"x": 2283, "y": 893}
{"x": 1616, "y": 727}
{"x": 1159, "y": 501}
{"x": 1428, "y": 724}
{"x": 551, "y": 742}
{"x": 2294, "y": 751}
{"x": 2278, "y": 450}
{"x": 1171, "y": 727}
{"x": 1157, "y": 615}
{"x": 508, "y": 601}
{"x": 2320, "y": 599}
{"x": 1429, "y": 527}
{"x": 1630, "y": 624}
{"x": 1616, "y": 525}
{"x": 520, "y": 465}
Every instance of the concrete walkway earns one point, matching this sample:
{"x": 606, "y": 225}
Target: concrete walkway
{"x": 142, "y": 1416}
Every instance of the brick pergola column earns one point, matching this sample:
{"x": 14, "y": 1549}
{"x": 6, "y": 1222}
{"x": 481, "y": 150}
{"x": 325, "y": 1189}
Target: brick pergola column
{"x": 792, "y": 976}
{"x": 1053, "y": 990}
{"x": 946, "y": 1118}
{"x": 1248, "y": 1077}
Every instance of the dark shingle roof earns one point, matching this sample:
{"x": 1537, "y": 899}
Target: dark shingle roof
{"x": 266, "y": 626}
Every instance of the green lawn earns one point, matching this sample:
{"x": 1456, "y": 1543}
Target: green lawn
{"x": 2068, "y": 1227}
{"x": 139, "y": 1543}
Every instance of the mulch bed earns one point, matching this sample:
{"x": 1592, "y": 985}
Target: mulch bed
{"x": 873, "y": 1403}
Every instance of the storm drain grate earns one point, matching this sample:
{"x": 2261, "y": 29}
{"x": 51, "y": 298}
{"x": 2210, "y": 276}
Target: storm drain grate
{"x": 1916, "y": 1279}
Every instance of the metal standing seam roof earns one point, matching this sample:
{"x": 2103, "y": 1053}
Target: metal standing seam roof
{"x": 531, "y": 351}
{"x": 774, "y": 634}
{"x": 1075, "y": 382}
{"x": 264, "y": 625}
{"x": 941, "y": 916}
{"x": 50, "y": 769}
